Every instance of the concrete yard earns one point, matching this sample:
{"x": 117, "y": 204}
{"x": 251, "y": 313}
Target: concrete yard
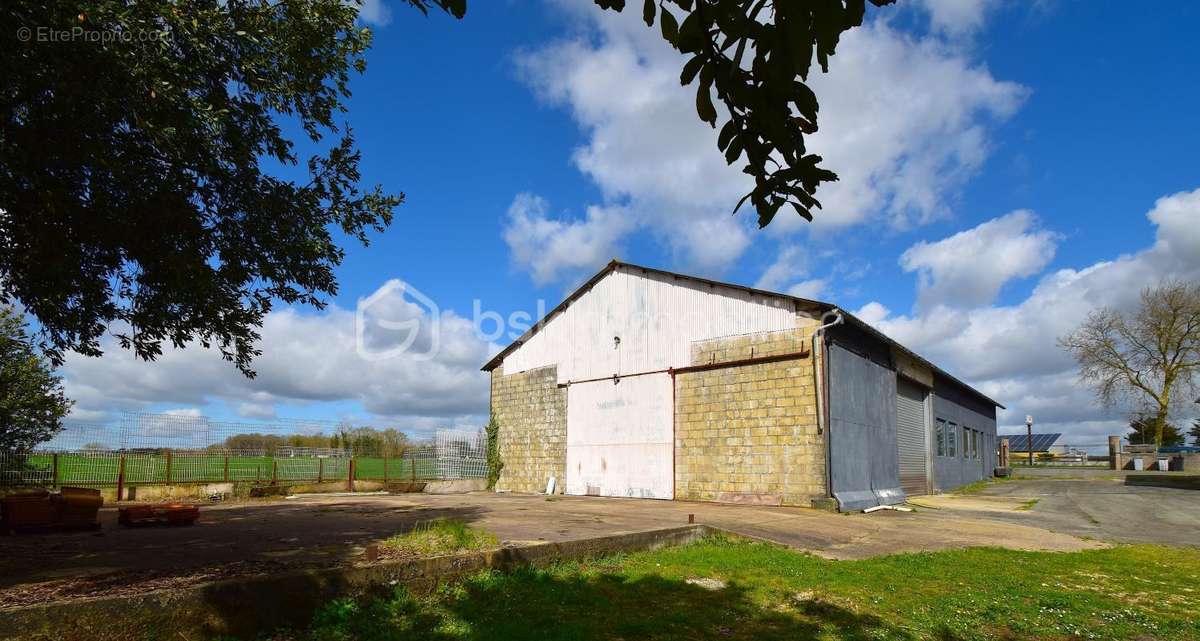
{"x": 1102, "y": 508}
{"x": 325, "y": 531}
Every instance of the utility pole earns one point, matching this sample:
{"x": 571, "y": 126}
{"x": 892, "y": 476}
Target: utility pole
{"x": 1029, "y": 437}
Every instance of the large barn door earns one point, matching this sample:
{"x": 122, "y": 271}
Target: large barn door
{"x": 912, "y": 434}
{"x": 862, "y": 431}
{"x": 620, "y": 437}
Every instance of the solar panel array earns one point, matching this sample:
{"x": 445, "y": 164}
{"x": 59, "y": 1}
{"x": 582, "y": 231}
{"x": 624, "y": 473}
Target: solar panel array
{"x": 1041, "y": 442}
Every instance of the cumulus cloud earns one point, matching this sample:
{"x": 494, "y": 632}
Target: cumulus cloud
{"x": 306, "y": 357}
{"x": 1010, "y": 351}
{"x": 958, "y": 17}
{"x": 787, "y": 274}
{"x": 969, "y": 268}
{"x": 551, "y": 247}
{"x": 903, "y": 122}
{"x": 375, "y": 12}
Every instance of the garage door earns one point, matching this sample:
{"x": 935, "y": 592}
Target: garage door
{"x": 912, "y": 436}
{"x": 619, "y": 438}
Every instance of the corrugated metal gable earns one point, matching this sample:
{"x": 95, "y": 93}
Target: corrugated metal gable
{"x": 657, "y": 318}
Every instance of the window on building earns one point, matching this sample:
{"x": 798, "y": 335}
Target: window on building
{"x": 952, "y": 440}
{"x": 972, "y": 443}
{"x": 941, "y": 437}
{"x": 975, "y": 444}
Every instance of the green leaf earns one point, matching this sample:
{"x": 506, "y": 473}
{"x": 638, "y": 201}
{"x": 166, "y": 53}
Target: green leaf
{"x": 734, "y": 150}
{"x": 704, "y": 105}
{"x": 727, "y": 133}
{"x": 670, "y": 27}
{"x": 690, "y": 69}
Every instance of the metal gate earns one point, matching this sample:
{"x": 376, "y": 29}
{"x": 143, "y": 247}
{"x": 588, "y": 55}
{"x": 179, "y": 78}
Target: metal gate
{"x": 620, "y": 437}
{"x": 912, "y": 436}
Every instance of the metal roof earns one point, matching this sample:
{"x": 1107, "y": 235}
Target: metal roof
{"x": 1041, "y": 442}
{"x": 800, "y": 302}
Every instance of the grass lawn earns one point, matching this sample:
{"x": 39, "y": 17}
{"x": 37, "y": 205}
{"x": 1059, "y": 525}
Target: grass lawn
{"x": 102, "y": 468}
{"x": 743, "y": 590}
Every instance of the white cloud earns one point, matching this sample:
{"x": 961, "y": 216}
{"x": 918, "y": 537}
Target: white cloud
{"x": 791, "y": 263}
{"x": 788, "y": 275}
{"x": 969, "y": 268}
{"x": 903, "y": 122}
{"x": 256, "y": 410}
{"x": 307, "y": 357}
{"x": 1178, "y": 220}
{"x": 813, "y": 288}
{"x": 958, "y": 17}
{"x": 1010, "y": 351}
{"x": 550, "y": 248}
{"x": 375, "y": 12}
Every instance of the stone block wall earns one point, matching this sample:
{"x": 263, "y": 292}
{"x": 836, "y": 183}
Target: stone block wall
{"x": 749, "y": 433}
{"x": 532, "y": 412}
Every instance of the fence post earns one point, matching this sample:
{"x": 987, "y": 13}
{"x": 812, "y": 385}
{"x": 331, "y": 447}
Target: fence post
{"x": 54, "y": 473}
{"x": 412, "y": 466}
{"x": 350, "y": 476}
{"x": 168, "y": 467}
{"x": 274, "y": 471}
{"x": 320, "y": 470}
{"x": 385, "y": 470}
{"x": 226, "y": 468}
{"x": 121, "y": 478}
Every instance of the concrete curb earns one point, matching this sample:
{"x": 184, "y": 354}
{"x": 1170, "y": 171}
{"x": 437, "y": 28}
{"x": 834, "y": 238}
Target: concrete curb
{"x": 247, "y": 607}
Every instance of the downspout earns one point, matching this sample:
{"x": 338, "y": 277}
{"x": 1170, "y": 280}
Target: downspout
{"x": 822, "y": 389}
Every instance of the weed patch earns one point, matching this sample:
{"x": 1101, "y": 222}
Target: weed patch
{"x": 440, "y": 536}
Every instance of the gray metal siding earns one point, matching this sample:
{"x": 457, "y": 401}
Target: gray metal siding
{"x": 911, "y": 437}
{"x": 864, "y": 469}
{"x": 952, "y": 404}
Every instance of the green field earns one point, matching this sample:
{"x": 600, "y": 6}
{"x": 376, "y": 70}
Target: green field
{"x": 729, "y": 590}
{"x": 103, "y": 468}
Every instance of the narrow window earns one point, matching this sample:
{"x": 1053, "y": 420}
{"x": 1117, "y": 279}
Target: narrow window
{"x": 952, "y": 440}
{"x": 941, "y": 437}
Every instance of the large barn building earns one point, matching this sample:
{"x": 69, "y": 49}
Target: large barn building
{"x": 646, "y": 383}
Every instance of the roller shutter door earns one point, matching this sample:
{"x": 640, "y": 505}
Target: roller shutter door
{"x": 912, "y": 436}
{"x": 620, "y": 438}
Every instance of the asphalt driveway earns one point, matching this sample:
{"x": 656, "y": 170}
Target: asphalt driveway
{"x": 1102, "y": 509}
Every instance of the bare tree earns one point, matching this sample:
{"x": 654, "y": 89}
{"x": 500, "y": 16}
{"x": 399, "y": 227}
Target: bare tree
{"x": 1146, "y": 361}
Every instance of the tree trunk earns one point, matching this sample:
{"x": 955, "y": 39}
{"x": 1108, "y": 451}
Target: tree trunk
{"x": 1160, "y": 421}
{"x": 1164, "y": 409}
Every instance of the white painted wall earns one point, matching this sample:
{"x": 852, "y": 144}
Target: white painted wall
{"x": 619, "y": 438}
{"x": 657, "y": 318}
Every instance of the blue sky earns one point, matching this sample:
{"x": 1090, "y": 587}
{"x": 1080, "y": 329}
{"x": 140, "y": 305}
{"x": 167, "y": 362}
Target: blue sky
{"x": 985, "y": 147}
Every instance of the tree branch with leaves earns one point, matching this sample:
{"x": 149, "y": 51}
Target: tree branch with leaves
{"x": 32, "y": 401}
{"x": 139, "y": 185}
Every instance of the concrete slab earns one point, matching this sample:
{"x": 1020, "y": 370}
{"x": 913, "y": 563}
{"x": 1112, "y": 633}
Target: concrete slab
{"x": 330, "y": 531}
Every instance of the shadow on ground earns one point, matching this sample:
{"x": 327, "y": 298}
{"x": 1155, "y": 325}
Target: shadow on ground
{"x": 226, "y": 543}
{"x": 537, "y": 604}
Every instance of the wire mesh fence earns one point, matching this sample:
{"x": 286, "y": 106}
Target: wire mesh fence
{"x": 172, "y": 449}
